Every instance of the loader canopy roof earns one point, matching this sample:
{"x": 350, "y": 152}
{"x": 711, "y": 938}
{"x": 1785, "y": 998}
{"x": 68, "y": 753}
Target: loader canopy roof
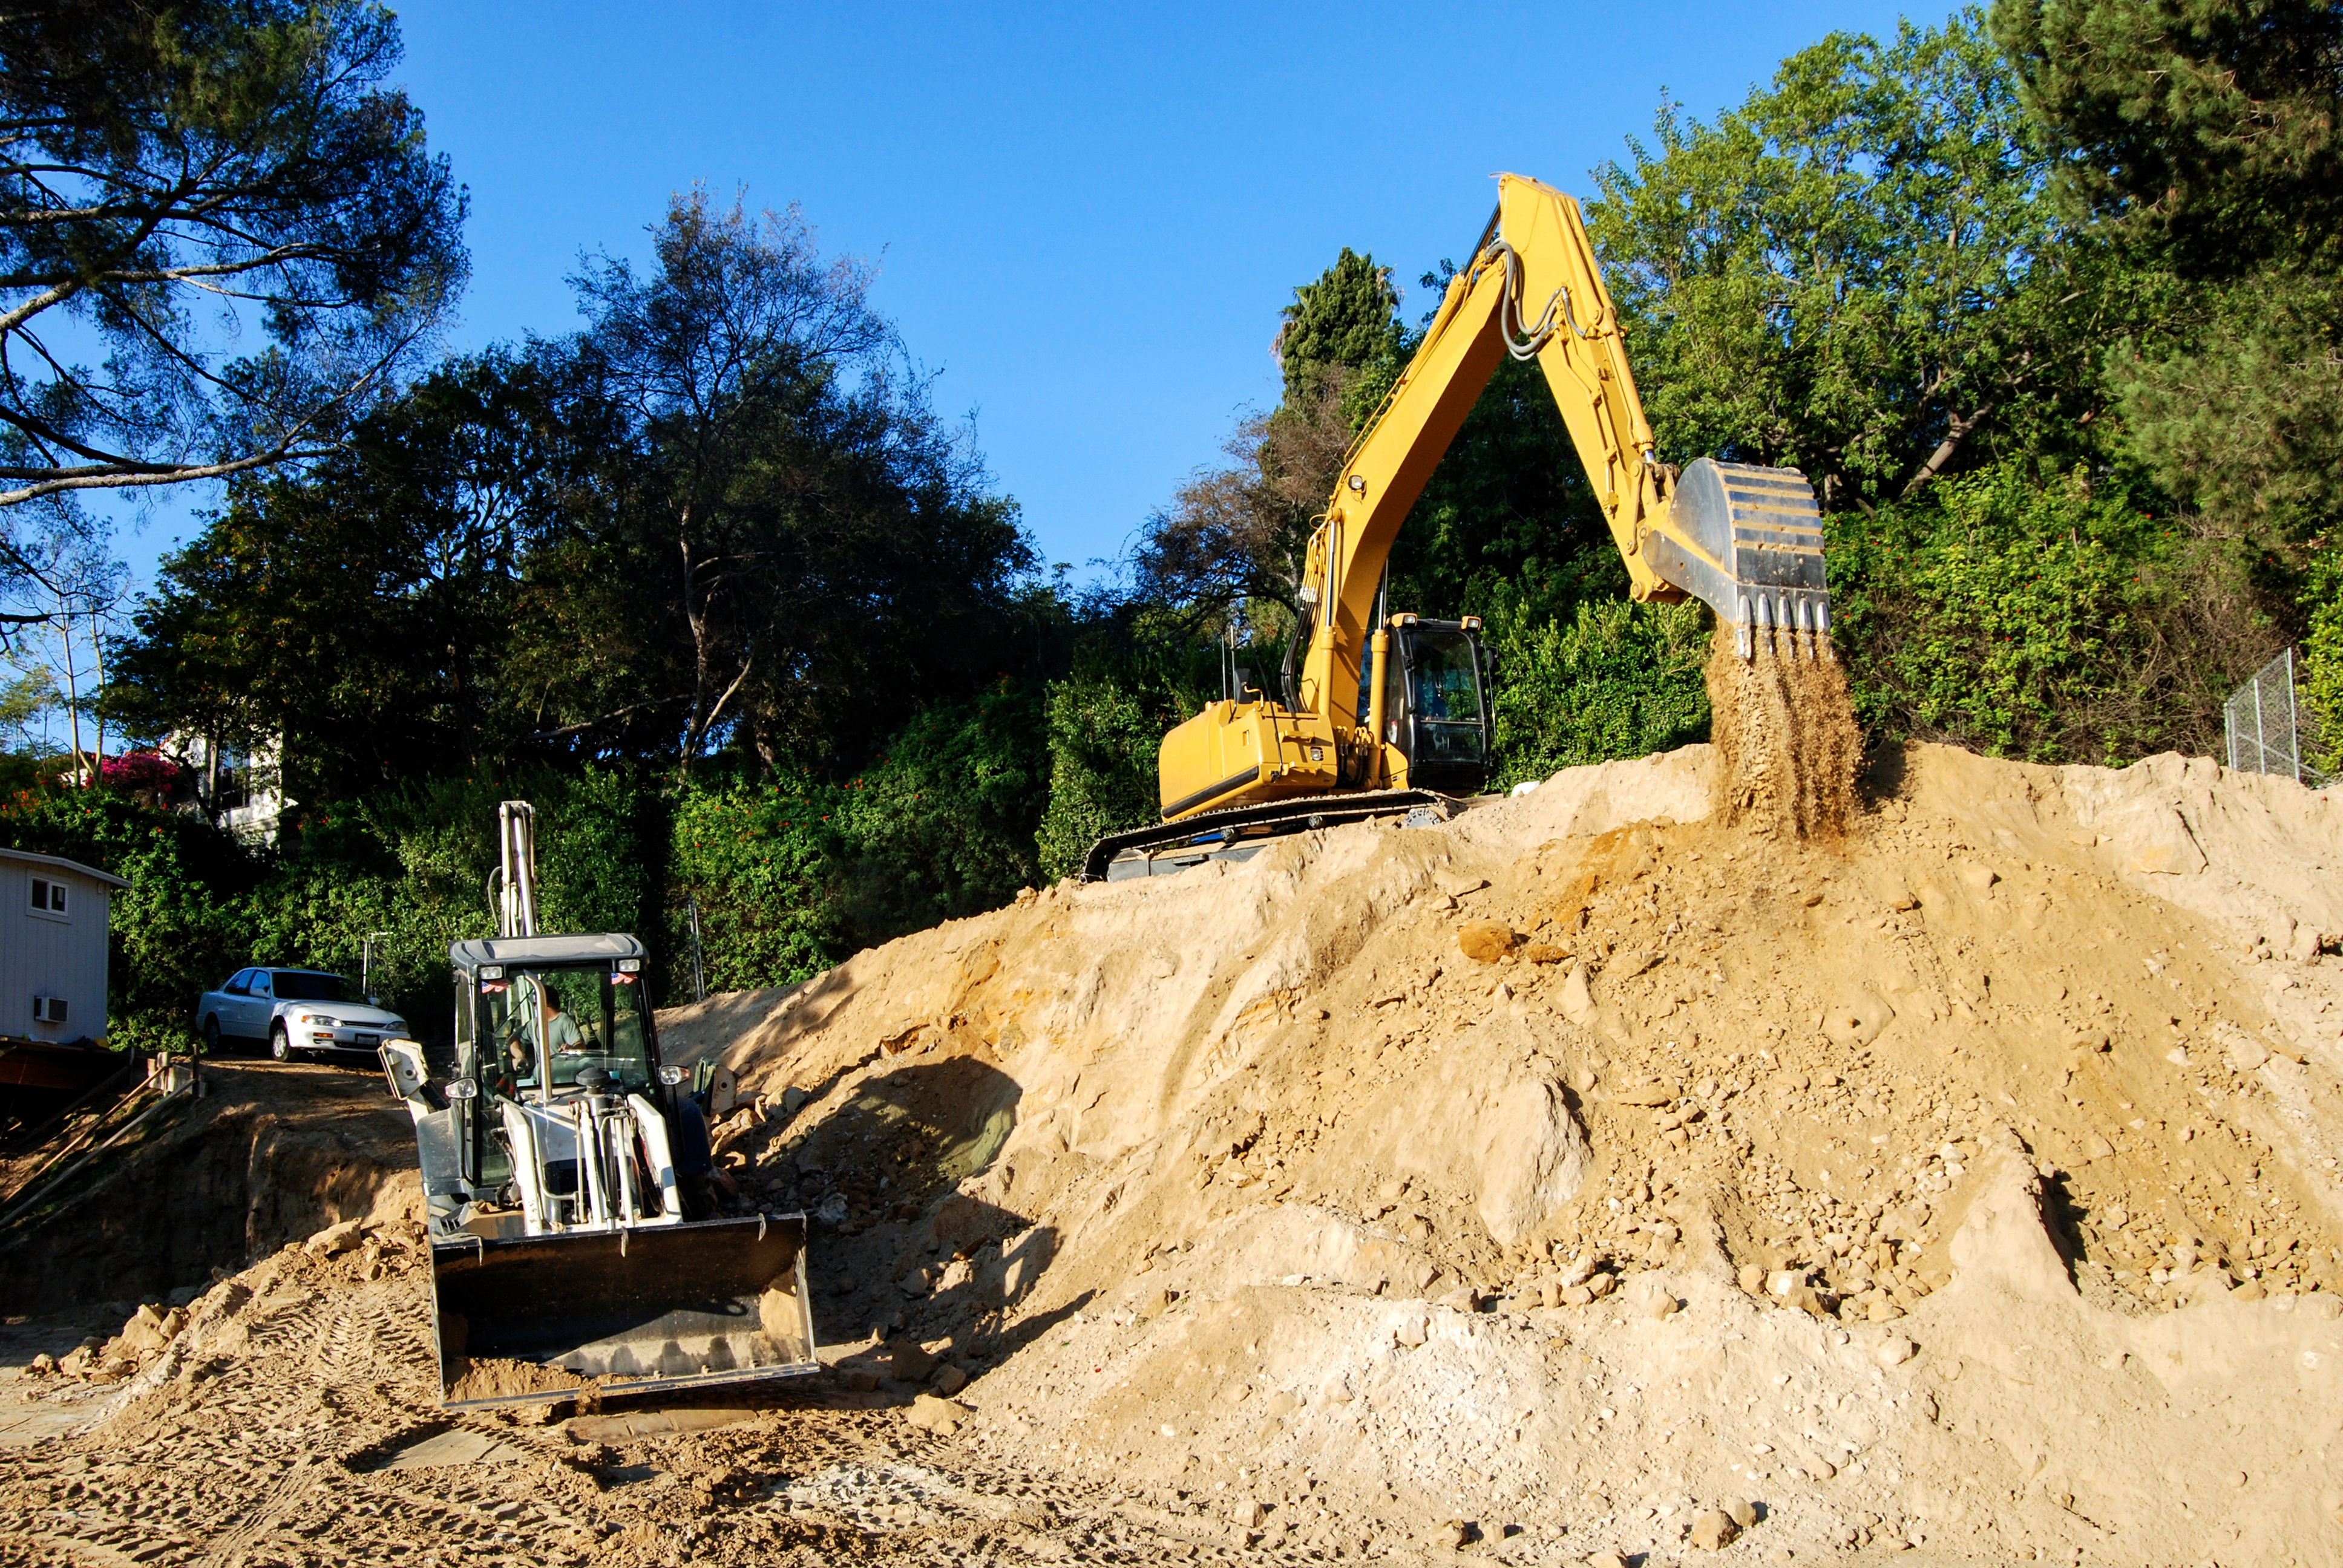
{"x": 472, "y": 954}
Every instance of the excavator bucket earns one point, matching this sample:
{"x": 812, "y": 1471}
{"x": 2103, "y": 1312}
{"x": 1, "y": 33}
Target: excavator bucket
{"x": 1748, "y": 542}
{"x": 529, "y": 1320}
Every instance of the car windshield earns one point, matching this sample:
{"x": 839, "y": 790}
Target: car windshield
{"x": 299, "y": 985}
{"x": 1446, "y": 698}
{"x": 545, "y": 1026}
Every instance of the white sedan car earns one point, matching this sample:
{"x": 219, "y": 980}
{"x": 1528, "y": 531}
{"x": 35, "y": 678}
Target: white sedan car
{"x": 298, "y": 1011}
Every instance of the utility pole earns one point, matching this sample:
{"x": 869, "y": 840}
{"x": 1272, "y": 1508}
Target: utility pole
{"x": 72, "y": 691}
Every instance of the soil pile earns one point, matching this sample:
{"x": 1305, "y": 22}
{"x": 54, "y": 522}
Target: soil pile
{"x": 1588, "y": 1178}
{"x": 289, "y": 1415}
{"x": 270, "y": 1153}
{"x": 1786, "y": 734}
{"x": 1594, "y": 1161}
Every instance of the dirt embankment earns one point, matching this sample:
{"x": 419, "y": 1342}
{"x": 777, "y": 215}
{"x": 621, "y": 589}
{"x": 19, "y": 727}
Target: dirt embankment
{"x": 270, "y": 1154}
{"x": 2034, "y": 1073}
{"x": 1591, "y": 1178}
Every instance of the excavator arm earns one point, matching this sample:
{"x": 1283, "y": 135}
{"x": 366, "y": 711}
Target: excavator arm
{"x": 1745, "y": 540}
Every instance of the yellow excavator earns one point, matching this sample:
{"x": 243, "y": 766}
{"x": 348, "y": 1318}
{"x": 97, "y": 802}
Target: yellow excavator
{"x": 1390, "y": 714}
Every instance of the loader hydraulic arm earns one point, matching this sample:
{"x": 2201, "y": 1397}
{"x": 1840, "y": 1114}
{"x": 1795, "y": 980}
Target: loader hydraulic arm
{"x": 1533, "y": 291}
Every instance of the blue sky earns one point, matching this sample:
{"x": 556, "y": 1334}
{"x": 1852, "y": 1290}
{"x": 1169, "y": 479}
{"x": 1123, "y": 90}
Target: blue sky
{"x": 1085, "y": 219}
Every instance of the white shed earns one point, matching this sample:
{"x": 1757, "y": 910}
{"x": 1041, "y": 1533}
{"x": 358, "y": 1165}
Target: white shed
{"x": 53, "y": 948}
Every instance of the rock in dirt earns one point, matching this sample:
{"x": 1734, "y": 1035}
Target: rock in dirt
{"x": 948, "y": 1380}
{"x": 1485, "y": 941}
{"x": 1714, "y": 1529}
{"x": 149, "y": 1331}
{"x": 1577, "y": 1000}
{"x": 1744, "y": 1511}
{"x": 908, "y": 1361}
{"x": 334, "y": 1239}
{"x": 943, "y": 1417}
{"x": 1856, "y": 1019}
{"x": 1895, "y": 1350}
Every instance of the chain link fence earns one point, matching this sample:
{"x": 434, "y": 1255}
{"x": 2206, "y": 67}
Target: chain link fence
{"x": 2271, "y": 728}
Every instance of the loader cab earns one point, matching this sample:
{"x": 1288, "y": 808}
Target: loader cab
{"x": 1436, "y": 702}
{"x": 541, "y": 1021}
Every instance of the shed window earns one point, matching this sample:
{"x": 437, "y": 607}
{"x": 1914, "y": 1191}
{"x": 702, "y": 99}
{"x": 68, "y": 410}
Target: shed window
{"x": 48, "y": 896}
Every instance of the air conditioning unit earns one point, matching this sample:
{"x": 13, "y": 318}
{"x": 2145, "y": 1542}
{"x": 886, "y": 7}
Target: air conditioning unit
{"x": 48, "y": 1010}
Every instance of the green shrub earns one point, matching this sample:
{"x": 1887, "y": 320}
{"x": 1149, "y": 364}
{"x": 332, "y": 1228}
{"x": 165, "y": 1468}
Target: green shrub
{"x": 761, "y": 863}
{"x": 1619, "y": 680}
{"x": 2322, "y": 662}
{"x": 2049, "y": 621}
{"x": 942, "y": 825}
{"x": 1104, "y": 746}
{"x": 791, "y": 878}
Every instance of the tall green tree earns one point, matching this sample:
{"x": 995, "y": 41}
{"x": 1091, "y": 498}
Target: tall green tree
{"x": 364, "y": 614}
{"x": 2205, "y": 137}
{"x": 2208, "y": 129}
{"x": 167, "y": 163}
{"x": 1854, "y": 273}
{"x": 806, "y": 554}
{"x": 1347, "y": 318}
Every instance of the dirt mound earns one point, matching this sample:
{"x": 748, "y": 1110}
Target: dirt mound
{"x": 289, "y": 1414}
{"x": 1645, "y": 1202}
{"x": 1966, "y": 1183}
{"x": 270, "y": 1153}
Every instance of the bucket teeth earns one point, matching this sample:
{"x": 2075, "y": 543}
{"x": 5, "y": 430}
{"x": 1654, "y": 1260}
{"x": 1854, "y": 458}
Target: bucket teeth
{"x": 1788, "y": 626}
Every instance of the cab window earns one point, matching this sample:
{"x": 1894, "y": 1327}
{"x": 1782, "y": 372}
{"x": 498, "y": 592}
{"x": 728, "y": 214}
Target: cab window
{"x": 1445, "y": 699}
{"x": 540, "y": 1028}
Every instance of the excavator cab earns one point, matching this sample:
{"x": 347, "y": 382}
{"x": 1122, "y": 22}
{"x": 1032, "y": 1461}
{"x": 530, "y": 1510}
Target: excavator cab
{"x": 1435, "y": 707}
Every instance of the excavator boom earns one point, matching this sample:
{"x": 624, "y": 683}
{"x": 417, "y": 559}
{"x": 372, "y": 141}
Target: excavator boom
{"x": 1379, "y": 705}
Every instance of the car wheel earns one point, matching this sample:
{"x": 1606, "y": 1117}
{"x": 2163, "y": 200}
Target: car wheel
{"x": 212, "y": 1038}
{"x": 279, "y": 1046}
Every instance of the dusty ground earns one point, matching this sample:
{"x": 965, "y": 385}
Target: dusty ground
{"x": 1563, "y": 1183}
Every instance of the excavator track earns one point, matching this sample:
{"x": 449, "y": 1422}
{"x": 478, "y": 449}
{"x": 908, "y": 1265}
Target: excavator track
{"x": 1238, "y": 832}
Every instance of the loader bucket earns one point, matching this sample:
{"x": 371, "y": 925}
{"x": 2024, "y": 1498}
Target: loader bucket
{"x": 1749, "y": 542}
{"x": 530, "y": 1319}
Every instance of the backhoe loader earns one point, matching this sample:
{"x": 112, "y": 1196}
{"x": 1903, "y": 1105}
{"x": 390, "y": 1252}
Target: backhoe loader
{"x": 1390, "y": 714}
{"x": 566, "y": 1173}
